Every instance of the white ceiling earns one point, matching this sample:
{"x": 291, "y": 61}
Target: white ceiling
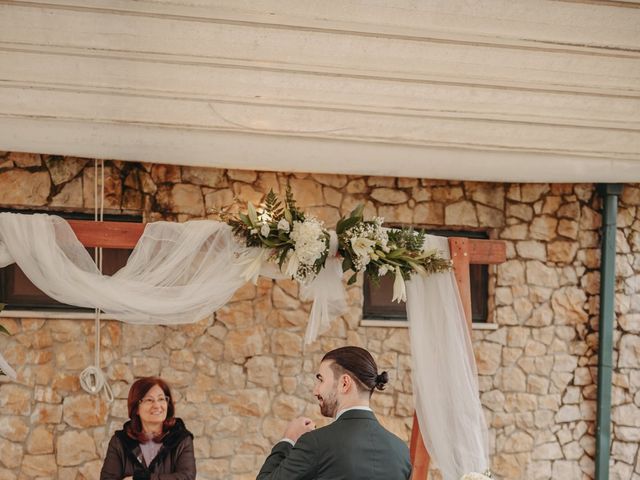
{"x": 494, "y": 90}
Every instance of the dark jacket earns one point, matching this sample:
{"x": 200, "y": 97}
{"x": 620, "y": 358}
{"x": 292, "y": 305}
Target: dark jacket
{"x": 354, "y": 447}
{"x": 174, "y": 461}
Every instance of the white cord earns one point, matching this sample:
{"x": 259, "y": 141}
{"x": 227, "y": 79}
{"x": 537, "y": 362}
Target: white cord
{"x": 92, "y": 379}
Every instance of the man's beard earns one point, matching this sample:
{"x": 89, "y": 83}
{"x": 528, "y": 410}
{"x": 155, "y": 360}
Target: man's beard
{"x": 329, "y": 405}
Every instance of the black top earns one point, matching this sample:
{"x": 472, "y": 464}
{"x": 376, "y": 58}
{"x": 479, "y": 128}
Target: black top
{"x": 174, "y": 461}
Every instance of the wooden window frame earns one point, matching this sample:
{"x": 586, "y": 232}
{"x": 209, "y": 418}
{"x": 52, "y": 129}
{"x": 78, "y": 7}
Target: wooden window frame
{"x": 391, "y": 312}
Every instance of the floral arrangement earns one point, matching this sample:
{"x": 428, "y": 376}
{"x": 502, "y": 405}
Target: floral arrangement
{"x": 300, "y": 241}
{"x": 367, "y": 246}
{"x": 299, "y": 244}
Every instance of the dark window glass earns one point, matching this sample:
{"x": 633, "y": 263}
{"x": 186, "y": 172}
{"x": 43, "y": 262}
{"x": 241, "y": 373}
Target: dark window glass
{"x": 377, "y": 299}
{"x": 17, "y": 291}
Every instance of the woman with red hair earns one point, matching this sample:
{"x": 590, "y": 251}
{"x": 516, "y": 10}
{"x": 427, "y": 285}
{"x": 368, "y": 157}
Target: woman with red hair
{"x": 153, "y": 444}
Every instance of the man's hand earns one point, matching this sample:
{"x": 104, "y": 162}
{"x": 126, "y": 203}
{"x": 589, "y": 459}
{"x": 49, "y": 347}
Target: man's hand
{"x": 297, "y": 427}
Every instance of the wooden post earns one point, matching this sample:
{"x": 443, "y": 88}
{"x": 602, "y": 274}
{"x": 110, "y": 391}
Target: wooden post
{"x": 464, "y": 252}
{"x": 418, "y": 452}
{"x": 460, "y": 258}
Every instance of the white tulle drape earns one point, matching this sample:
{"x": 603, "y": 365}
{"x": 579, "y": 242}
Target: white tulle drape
{"x": 177, "y": 273}
{"x": 445, "y": 381}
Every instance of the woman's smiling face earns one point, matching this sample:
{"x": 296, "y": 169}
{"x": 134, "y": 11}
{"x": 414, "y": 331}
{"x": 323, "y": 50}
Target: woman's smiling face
{"x": 153, "y": 406}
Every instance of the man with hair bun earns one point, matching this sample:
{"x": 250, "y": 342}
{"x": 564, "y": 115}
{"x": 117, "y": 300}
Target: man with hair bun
{"x": 355, "y": 446}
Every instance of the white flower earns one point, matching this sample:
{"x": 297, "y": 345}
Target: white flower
{"x": 264, "y": 216}
{"x": 264, "y": 230}
{"x": 283, "y": 225}
{"x": 399, "y": 289}
{"x": 362, "y": 247}
{"x": 309, "y": 245}
{"x": 382, "y": 270}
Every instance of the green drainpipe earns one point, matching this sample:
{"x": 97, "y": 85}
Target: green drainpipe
{"x": 609, "y": 193}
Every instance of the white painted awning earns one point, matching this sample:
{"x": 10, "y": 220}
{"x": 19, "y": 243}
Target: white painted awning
{"x": 495, "y": 90}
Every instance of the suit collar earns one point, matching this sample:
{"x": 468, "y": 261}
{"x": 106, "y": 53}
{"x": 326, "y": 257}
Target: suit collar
{"x": 356, "y": 413}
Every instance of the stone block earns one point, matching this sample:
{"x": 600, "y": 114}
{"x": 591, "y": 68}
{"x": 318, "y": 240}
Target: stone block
{"x": 566, "y": 469}
{"x": 430, "y": 213}
{"x": 20, "y": 187}
{"x": 543, "y": 228}
{"x": 461, "y": 213}
{"x": 64, "y": 169}
{"x": 183, "y": 198}
{"x": 447, "y": 194}
{"x": 253, "y": 402}
{"x": 246, "y": 176}
{"x": 629, "y": 351}
{"x": 71, "y": 195}
{"x": 90, "y": 470}
{"x": 209, "y": 177}
{"x": 511, "y": 273}
{"x": 83, "y": 411}
{"x": 75, "y": 448}
{"x": 490, "y": 217}
{"x": 25, "y": 160}
{"x": 337, "y": 181}
{"x": 518, "y": 442}
{"x": 488, "y": 358}
{"x": 40, "y": 441}
{"x": 532, "y": 250}
{"x": 162, "y": 173}
{"x": 15, "y": 399}
{"x": 44, "y": 413}
{"x": 212, "y": 469}
{"x": 307, "y": 193}
{"x": 288, "y": 407}
{"x": 262, "y": 371}
{"x": 541, "y": 275}
{"x": 286, "y": 343}
{"x": 13, "y": 428}
{"x": 562, "y": 252}
{"x": 389, "y": 196}
{"x": 10, "y": 453}
{"x": 397, "y": 214}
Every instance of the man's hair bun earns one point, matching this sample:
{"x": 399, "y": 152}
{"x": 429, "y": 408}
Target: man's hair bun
{"x": 381, "y": 380}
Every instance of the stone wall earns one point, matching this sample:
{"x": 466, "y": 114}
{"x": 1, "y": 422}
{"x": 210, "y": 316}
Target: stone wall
{"x": 240, "y": 375}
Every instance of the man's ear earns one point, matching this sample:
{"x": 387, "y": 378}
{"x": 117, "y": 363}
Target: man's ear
{"x": 346, "y": 383}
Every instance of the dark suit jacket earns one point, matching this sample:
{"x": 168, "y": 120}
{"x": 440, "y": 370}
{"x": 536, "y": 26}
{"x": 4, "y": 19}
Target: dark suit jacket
{"x": 354, "y": 447}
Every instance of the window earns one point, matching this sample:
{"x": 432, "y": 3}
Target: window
{"x": 17, "y": 291}
{"x": 377, "y": 299}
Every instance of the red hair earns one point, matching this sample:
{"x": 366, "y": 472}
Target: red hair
{"x": 136, "y": 393}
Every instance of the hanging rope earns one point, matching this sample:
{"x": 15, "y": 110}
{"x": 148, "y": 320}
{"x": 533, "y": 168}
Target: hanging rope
{"x": 92, "y": 378}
